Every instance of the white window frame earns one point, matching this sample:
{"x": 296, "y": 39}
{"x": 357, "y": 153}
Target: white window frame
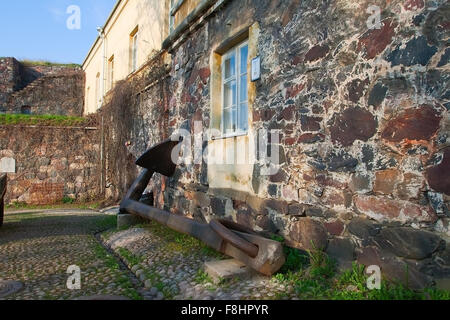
{"x": 134, "y": 52}
{"x": 236, "y": 51}
{"x": 98, "y": 98}
{"x": 111, "y": 72}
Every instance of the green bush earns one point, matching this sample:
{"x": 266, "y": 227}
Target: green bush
{"x": 68, "y": 200}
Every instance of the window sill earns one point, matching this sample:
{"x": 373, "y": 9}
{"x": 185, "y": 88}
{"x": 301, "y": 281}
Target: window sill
{"x": 230, "y": 135}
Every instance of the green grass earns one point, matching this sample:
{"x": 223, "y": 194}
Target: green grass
{"x": 74, "y": 205}
{"x": 105, "y": 256}
{"x": 318, "y": 279}
{"x": 180, "y": 242}
{"x": 122, "y": 280}
{"x": 129, "y": 256}
{"x": 202, "y": 277}
{"x": 41, "y": 120}
{"x": 313, "y": 274}
{"x": 44, "y": 63}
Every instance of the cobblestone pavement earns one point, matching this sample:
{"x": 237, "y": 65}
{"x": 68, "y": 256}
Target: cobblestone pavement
{"x": 148, "y": 262}
{"x": 36, "y": 248}
{"x": 170, "y": 266}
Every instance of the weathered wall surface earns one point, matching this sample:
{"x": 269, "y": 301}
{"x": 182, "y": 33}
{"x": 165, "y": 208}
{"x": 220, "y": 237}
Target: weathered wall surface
{"x": 57, "y": 90}
{"x": 51, "y": 163}
{"x": 58, "y": 94}
{"x": 364, "y": 122}
{"x": 10, "y": 79}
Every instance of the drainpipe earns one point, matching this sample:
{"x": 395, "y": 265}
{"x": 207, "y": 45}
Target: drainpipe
{"x": 101, "y": 34}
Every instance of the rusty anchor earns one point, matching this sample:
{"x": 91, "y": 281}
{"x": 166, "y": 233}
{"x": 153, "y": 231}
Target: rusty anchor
{"x": 259, "y": 253}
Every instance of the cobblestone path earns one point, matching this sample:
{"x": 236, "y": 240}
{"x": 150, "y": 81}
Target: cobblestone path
{"x": 148, "y": 262}
{"x": 170, "y": 265}
{"x": 36, "y": 248}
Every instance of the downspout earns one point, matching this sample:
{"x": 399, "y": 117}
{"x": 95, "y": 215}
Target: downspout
{"x": 101, "y": 33}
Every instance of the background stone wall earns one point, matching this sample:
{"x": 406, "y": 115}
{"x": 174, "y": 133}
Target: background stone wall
{"x": 364, "y": 122}
{"x": 10, "y": 79}
{"x": 57, "y": 90}
{"x": 56, "y": 94}
{"x": 51, "y": 163}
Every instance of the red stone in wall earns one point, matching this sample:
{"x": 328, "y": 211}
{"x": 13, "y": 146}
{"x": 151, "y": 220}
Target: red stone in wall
{"x": 413, "y": 125}
{"x": 439, "y": 176}
{"x": 375, "y": 41}
{"x": 46, "y": 193}
{"x": 382, "y": 209}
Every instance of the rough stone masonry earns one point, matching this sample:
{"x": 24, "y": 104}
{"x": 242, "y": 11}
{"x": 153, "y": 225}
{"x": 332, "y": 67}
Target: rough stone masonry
{"x": 364, "y": 121}
{"x": 35, "y": 89}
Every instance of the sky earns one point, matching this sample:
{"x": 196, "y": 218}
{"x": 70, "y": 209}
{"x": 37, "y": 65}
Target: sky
{"x": 38, "y": 29}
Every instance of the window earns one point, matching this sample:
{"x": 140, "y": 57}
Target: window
{"x": 98, "y": 97}
{"x": 110, "y": 73}
{"x": 235, "y": 91}
{"x": 171, "y": 17}
{"x": 88, "y": 93}
{"x": 133, "y": 50}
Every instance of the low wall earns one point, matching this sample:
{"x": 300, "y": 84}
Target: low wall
{"x": 50, "y": 163}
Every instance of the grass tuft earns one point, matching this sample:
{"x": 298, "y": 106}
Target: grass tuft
{"x": 43, "y": 63}
{"x": 41, "y": 120}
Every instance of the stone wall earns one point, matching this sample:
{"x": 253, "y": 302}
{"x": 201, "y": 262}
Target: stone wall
{"x": 364, "y": 121}
{"x": 60, "y": 94}
{"x": 10, "y": 79}
{"x": 51, "y": 163}
{"x": 56, "y": 90}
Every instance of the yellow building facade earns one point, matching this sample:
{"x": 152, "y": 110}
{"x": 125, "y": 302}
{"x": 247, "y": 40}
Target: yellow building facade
{"x": 133, "y": 32}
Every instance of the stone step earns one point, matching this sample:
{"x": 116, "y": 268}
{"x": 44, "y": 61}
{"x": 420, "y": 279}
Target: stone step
{"x": 227, "y": 270}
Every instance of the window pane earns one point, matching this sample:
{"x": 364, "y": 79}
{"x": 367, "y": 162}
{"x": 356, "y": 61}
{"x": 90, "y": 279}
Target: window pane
{"x": 244, "y": 59}
{"x": 226, "y": 120}
{"x": 230, "y": 67}
{"x": 243, "y": 89}
{"x": 234, "y": 119}
{"x": 229, "y": 96}
{"x": 243, "y": 117}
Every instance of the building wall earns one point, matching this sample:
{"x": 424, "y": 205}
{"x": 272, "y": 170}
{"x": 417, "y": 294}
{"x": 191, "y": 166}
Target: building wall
{"x": 47, "y": 165}
{"x": 363, "y": 118}
{"x": 151, "y": 19}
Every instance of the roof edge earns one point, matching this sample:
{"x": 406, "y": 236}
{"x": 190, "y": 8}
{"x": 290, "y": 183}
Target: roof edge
{"x": 104, "y": 26}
